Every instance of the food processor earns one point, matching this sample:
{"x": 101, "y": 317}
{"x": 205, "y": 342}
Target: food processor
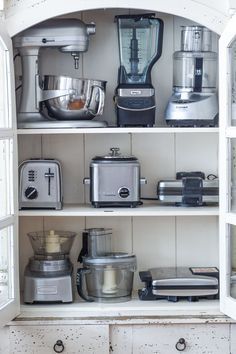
{"x": 48, "y": 274}
{"x": 140, "y": 46}
{"x": 106, "y": 276}
{"x": 57, "y": 101}
{"x": 194, "y": 100}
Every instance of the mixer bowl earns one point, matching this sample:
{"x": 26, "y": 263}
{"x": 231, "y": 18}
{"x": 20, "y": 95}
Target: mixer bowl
{"x": 51, "y": 242}
{"x": 85, "y": 98}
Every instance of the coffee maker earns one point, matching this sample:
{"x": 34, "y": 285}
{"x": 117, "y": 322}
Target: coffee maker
{"x": 48, "y": 274}
{"x": 57, "y": 101}
{"x": 194, "y": 100}
{"x": 140, "y": 46}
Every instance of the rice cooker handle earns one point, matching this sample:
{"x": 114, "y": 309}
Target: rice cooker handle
{"x": 80, "y": 283}
{"x": 97, "y": 90}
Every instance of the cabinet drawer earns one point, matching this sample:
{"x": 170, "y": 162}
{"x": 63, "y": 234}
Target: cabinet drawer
{"x": 165, "y": 339}
{"x": 75, "y": 339}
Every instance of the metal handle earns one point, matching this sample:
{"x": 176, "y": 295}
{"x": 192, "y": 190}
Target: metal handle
{"x": 86, "y": 180}
{"x": 80, "y": 283}
{"x": 97, "y": 90}
{"x": 114, "y": 151}
{"x": 143, "y": 180}
{"x": 180, "y": 345}
{"x": 59, "y": 346}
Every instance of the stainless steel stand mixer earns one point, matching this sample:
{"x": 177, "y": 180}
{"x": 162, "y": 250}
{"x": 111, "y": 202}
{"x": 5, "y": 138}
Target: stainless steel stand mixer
{"x": 69, "y": 102}
{"x": 194, "y": 100}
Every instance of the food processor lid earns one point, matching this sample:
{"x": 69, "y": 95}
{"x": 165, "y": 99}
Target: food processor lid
{"x": 116, "y": 259}
{"x": 98, "y": 231}
{"x": 114, "y": 155}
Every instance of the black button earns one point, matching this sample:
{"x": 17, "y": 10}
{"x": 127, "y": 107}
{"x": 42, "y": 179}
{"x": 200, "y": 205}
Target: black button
{"x": 124, "y": 192}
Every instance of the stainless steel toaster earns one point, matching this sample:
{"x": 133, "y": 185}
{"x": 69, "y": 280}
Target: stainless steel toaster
{"x": 40, "y": 184}
{"x": 114, "y": 180}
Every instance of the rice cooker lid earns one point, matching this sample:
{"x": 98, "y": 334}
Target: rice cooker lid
{"x": 115, "y": 155}
{"x": 112, "y": 259}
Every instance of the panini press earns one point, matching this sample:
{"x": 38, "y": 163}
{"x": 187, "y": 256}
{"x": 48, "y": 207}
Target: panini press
{"x": 174, "y": 283}
{"x": 189, "y": 189}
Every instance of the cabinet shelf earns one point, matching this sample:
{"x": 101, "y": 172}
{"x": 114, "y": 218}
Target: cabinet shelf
{"x": 144, "y": 210}
{"x": 156, "y": 311}
{"x": 117, "y": 130}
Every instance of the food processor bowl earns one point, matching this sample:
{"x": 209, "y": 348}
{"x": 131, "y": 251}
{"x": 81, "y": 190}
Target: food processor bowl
{"x": 52, "y": 242}
{"x": 107, "y": 279}
{"x": 84, "y": 101}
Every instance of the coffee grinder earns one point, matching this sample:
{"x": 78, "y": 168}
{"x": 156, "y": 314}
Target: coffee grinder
{"x": 140, "y": 46}
{"x": 194, "y": 100}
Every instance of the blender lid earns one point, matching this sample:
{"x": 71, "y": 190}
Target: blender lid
{"x": 116, "y": 259}
{"x": 98, "y": 231}
{"x": 115, "y": 155}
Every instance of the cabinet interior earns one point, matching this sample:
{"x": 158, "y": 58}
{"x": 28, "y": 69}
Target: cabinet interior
{"x": 156, "y": 241}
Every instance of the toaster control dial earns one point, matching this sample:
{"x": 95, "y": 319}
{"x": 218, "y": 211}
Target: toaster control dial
{"x": 31, "y": 193}
{"x": 124, "y": 192}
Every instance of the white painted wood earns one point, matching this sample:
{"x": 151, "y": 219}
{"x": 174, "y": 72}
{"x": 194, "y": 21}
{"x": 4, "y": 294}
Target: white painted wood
{"x": 4, "y": 340}
{"x": 144, "y": 210}
{"x": 23, "y": 14}
{"x": 157, "y": 160}
{"x": 76, "y": 339}
{"x": 154, "y": 311}
{"x": 197, "y": 242}
{"x": 227, "y": 304}
{"x": 69, "y": 151}
{"x": 117, "y": 130}
{"x": 11, "y": 308}
{"x": 197, "y": 153}
{"x": 210, "y": 339}
{"x": 153, "y": 244}
{"x": 121, "y": 339}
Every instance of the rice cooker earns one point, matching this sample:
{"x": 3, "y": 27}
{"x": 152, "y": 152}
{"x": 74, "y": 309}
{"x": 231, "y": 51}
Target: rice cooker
{"x": 115, "y": 180}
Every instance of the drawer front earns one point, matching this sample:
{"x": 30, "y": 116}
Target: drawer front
{"x": 165, "y": 339}
{"x": 44, "y": 339}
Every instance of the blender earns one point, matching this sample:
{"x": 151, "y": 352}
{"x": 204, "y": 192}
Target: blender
{"x": 106, "y": 276}
{"x": 194, "y": 100}
{"x": 48, "y": 274}
{"x": 140, "y": 46}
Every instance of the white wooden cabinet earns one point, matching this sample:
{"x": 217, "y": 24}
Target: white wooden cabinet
{"x": 171, "y": 339}
{"x": 74, "y": 339}
{"x": 158, "y": 235}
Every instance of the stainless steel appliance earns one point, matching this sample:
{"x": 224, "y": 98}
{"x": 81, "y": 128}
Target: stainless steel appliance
{"x": 140, "y": 46}
{"x": 57, "y": 101}
{"x": 194, "y": 100}
{"x": 40, "y": 184}
{"x": 48, "y": 274}
{"x": 106, "y": 276}
{"x": 179, "y": 282}
{"x": 114, "y": 180}
{"x": 189, "y": 189}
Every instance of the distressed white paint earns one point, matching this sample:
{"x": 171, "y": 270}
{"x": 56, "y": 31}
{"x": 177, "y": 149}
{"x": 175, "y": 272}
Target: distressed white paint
{"x": 76, "y": 339}
{"x": 208, "y": 339}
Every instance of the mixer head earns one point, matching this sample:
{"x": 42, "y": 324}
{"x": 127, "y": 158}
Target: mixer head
{"x": 69, "y": 35}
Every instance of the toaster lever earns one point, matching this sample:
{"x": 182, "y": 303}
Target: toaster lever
{"x": 49, "y": 175}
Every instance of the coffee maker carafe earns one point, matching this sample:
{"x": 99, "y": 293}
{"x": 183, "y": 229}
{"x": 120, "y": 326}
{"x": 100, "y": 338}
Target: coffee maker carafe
{"x": 140, "y": 46}
{"x": 194, "y": 100}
